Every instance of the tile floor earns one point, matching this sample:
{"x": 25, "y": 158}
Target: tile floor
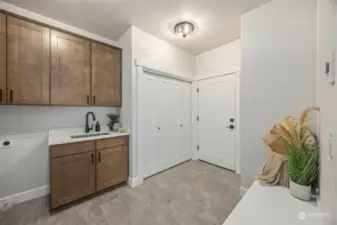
{"x": 192, "y": 193}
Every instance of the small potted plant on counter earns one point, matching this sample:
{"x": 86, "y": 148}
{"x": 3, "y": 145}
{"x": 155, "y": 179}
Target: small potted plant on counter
{"x": 114, "y": 120}
{"x": 303, "y": 155}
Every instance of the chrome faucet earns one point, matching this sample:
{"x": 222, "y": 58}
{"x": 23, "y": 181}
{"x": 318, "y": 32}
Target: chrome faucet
{"x": 87, "y": 128}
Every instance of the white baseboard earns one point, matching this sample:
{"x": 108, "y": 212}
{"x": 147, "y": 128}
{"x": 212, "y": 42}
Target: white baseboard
{"x": 23, "y": 196}
{"x": 243, "y": 191}
{"x": 134, "y": 182}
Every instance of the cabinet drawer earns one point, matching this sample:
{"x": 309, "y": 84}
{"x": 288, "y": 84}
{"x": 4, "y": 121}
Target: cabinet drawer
{"x": 112, "y": 142}
{"x": 71, "y": 149}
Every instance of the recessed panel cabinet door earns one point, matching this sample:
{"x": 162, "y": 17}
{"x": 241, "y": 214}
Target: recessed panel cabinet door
{"x": 72, "y": 177}
{"x": 2, "y": 59}
{"x": 106, "y": 75}
{"x": 70, "y": 69}
{"x": 27, "y": 62}
{"x": 112, "y": 167}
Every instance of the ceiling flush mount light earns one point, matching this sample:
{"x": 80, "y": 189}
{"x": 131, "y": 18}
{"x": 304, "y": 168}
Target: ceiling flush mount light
{"x": 184, "y": 29}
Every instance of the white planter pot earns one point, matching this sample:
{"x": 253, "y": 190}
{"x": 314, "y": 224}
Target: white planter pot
{"x": 116, "y": 127}
{"x": 300, "y": 191}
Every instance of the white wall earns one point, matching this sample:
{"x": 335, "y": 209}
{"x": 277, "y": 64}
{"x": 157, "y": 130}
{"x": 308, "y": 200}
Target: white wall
{"x": 125, "y": 42}
{"x": 158, "y": 54}
{"x": 327, "y": 101}
{"x": 278, "y": 72}
{"x": 25, "y": 166}
{"x": 222, "y": 60}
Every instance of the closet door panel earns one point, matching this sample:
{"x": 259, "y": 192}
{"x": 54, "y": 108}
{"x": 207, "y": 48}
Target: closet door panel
{"x": 164, "y": 112}
{"x": 185, "y": 107}
{"x": 176, "y": 123}
{"x": 148, "y": 124}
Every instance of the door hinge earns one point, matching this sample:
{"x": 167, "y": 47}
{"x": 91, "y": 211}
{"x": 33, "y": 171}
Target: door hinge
{"x": 197, "y": 90}
{"x": 198, "y": 119}
{"x": 198, "y": 147}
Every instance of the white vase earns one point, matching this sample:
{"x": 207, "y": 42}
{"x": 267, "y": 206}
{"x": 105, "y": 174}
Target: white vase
{"x": 300, "y": 191}
{"x": 116, "y": 127}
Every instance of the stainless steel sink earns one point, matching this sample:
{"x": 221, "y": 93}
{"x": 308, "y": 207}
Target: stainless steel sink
{"x": 89, "y": 135}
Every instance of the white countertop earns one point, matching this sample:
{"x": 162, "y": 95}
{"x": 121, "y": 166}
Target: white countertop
{"x": 273, "y": 206}
{"x": 62, "y": 135}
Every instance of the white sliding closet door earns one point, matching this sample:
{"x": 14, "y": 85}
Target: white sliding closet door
{"x": 185, "y": 112}
{"x": 148, "y": 124}
{"x": 165, "y": 136}
{"x": 164, "y": 116}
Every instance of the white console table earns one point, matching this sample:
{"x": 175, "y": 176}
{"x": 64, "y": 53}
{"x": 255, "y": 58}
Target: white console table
{"x": 273, "y": 206}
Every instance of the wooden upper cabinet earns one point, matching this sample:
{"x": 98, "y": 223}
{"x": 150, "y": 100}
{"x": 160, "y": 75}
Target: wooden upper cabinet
{"x": 2, "y": 59}
{"x": 70, "y": 69}
{"x": 112, "y": 167}
{"x": 72, "y": 178}
{"x": 28, "y": 47}
{"x": 106, "y": 75}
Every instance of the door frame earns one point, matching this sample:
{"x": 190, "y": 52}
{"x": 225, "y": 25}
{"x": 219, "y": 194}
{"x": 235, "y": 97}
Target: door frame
{"x": 134, "y": 151}
{"x": 195, "y": 113}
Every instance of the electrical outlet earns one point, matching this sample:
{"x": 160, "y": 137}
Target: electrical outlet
{"x": 6, "y": 144}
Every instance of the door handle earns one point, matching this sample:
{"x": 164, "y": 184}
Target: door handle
{"x": 88, "y": 99}
{"x": 94, "y": 99}
{"x": 230, "y": 127}
{"x": 92, "y": 158}
{"x": 99, "y": 156}
{"x": 0, "y": 95}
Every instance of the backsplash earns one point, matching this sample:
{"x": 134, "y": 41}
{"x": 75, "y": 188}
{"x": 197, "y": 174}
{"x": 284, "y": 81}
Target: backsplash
{"x": 36, "y": 119}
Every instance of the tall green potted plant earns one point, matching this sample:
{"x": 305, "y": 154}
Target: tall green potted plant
{"x": 303, "y": 155}
{"x": 303, "y": 170}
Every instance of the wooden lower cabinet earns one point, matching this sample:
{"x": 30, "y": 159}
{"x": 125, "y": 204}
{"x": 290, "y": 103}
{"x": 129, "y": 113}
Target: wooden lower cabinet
{"x": 112, "y": 167}
{"x": 72, "y": 178}
{"x": 80, "y": 169}
{"x": 3, "y": 59}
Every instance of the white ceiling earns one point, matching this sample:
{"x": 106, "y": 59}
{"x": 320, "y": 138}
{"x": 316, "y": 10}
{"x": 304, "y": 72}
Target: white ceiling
{"x": 218, "y": 21}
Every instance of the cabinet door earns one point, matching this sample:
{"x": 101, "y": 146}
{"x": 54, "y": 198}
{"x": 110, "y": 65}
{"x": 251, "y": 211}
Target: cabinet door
{"x": 72, "y": 177}
{"x": 106, "y": 75}
{"x": 2, "y": 59}
{"x": 70, "y": 69}
{"x": 28, "y": 62}
{"x": 112, "y": 167}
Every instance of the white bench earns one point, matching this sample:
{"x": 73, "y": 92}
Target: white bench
{"x": 273, "y": 206}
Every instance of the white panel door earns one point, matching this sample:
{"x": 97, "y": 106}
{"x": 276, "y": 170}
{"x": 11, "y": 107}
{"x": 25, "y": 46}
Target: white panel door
{"x": 165, "y": 136}
{"x": 148, "y": 124}
{"x": 216, "y": 107}
{"x": 185, "y": 111}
